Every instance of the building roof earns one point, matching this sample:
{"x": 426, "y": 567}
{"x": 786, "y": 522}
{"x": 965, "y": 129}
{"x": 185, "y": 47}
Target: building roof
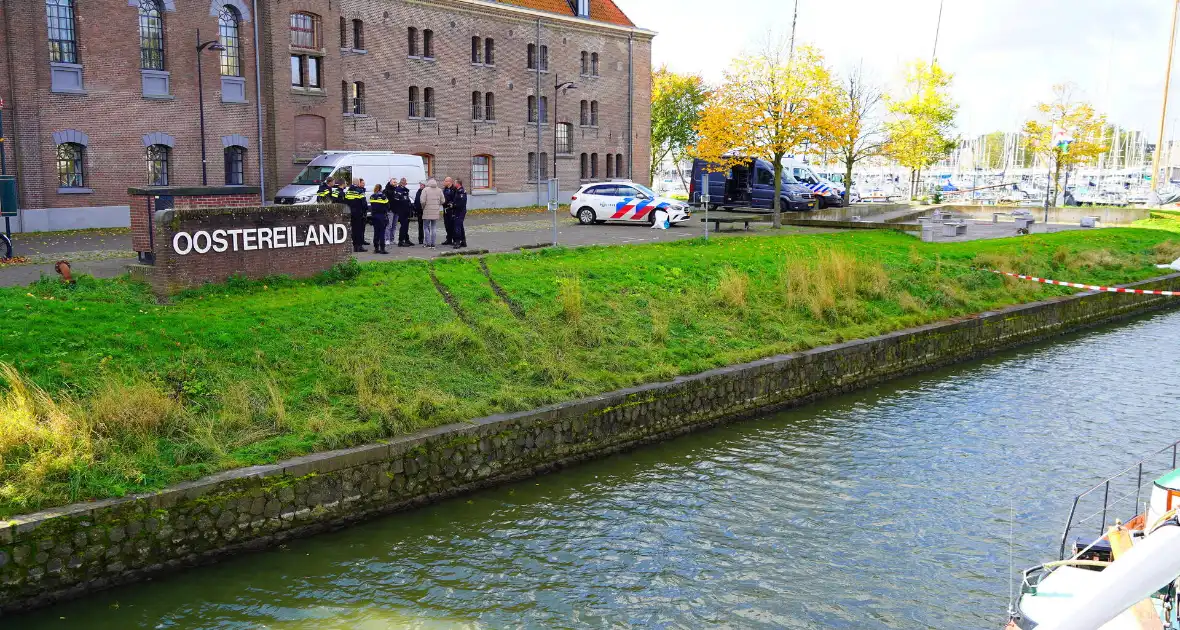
{"x": 600, "y": 10}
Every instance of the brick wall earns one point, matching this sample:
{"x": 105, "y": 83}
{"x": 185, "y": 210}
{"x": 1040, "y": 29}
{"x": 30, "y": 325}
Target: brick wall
{"x": 115, "y": 115}
{"x": 176, "y": 270}
{"x": 146, "y": 200}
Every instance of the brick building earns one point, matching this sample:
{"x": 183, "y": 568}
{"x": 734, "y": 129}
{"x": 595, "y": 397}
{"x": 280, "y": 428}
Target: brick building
{"x": 102, "y": 95}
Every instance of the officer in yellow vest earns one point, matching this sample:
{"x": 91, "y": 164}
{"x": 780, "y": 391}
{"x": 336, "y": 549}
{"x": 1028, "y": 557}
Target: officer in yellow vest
{"x": 379, "y": 204}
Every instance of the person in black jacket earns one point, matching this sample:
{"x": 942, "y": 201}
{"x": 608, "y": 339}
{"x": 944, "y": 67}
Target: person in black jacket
{"x": 390, "y": 193}
{"x": 325, "y": 193}
{"x": 379, "y": 204}
{"x": 448, "y": 210}
{"x": 418, "y": 208}
{"x": 403, "y": 207}
{"x": 459, "y": 214}
{"x": 354, "y": 196}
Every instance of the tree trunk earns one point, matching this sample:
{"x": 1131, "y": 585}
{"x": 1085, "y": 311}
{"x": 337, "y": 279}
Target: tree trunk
{"x": 1056, "y": 182}
{"x": 848, "y": 163}
{"x": 778, "y": 190}
{"x": 680, "y": 171}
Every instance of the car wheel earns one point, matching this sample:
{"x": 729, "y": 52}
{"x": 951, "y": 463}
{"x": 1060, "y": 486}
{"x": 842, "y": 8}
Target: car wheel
{"x": 586, "y": 216}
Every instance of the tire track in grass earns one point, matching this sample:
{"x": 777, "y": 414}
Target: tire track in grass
{"x": 512, "y": 305}
{"x": 449, "y": 299}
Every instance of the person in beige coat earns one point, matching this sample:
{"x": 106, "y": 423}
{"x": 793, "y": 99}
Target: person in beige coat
{"x": 432, "y": 205}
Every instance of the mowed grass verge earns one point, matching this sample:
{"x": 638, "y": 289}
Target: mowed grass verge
{"x": 103, "y": 392}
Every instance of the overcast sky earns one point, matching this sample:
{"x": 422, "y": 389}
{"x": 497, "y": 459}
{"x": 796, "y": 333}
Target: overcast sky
{"x": 1005, "y": 54}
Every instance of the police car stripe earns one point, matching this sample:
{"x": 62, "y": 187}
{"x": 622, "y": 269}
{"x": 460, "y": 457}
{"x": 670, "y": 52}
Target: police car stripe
{"x": 650, "y": 207}
{"x": 623, "y": 207}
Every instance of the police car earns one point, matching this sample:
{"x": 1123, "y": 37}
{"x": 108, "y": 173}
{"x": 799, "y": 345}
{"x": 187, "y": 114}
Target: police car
{"x": 623, "y": 201}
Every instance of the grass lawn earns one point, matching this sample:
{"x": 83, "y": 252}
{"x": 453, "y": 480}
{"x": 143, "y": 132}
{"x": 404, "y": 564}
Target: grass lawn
{"x": 104, "y": 392}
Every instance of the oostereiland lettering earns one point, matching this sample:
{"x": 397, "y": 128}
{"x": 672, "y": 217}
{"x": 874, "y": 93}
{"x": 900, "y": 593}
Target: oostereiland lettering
{"x": 252, "y": 239}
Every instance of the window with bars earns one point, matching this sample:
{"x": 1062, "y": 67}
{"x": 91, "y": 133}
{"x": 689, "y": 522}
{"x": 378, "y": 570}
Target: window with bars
{"x": 585, "y": 163}
{"x": 533, "y": 174}
{"x": 357, "y": 97}
{"x": 544, "y": 113}
{"x": 593, "y": 113}
{"x": 151, "y": 35}
{"x": 428, "y": 44}
{"x": 544, "y": 62}
{"x": 476, "y": 106}
{"x": 481, "y": 171}
{"x": 428, "y": 103}
{"x": 531, "y": 57}
{"x": 593, "y": 166}
{"x": 489, "y": 102}
{"x": 565, "y": 136}
{"x": 412, "y": 41}
{"x": 71, "y": 170}
{"x": 585, "y": 63}
{"x": 532, "y": 109}
{"x": 593, "y": 64}
{"x": 476, "y": 50}
{"x": 415, "y": 110}
{"x": 544, "y": 166}
{"x": 489, "y": 52}
{"x": 584, "y": 110}
{"x": 228, "y": 26}
{"x": 305, "y": 30}
{"x": 158, "y": 158}
{"x": 358, "y": 35}
{"x": 235, "y": 166}
{"x": 63, "y": 41}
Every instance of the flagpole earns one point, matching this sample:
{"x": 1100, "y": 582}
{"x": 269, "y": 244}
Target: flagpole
{"x": 1155, "y": 163}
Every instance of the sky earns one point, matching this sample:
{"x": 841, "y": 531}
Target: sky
{"x": 1005, "y": 55}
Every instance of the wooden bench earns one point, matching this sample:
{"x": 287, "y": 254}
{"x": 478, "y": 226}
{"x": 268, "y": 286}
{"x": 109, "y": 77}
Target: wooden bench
{"x": 745, "y": 221}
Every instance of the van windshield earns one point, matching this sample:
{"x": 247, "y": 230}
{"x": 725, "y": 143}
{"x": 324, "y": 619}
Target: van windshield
{"x": 313, "y": 175}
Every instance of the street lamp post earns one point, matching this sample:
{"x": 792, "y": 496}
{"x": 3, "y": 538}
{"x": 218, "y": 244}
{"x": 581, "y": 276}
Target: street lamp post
{"x": 558, "y": 86}
{"x": 213, "y": 45}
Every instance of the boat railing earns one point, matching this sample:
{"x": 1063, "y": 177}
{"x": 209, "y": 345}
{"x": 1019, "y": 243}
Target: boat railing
{"x": 1117, "y": 497}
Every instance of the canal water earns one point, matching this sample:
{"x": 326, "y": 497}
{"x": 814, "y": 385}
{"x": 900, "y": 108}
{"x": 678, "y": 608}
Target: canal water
{"x": 885, "y": 509}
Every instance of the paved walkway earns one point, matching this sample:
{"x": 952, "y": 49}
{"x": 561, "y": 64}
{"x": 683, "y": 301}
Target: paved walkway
{"x": 106, "y": 253}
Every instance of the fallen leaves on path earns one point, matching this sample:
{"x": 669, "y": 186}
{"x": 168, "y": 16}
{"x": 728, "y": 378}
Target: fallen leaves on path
{"x": 15, "y": 260}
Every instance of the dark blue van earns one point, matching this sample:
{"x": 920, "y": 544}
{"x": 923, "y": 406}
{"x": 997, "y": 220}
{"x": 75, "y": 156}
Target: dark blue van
{"x": 750, "y": 185}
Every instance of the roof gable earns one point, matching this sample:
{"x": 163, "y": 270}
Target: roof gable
{"x": 600, "y": 10}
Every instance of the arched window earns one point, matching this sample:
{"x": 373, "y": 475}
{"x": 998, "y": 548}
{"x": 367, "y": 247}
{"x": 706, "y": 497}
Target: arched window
{"x": 157, "y": 158}
{"x": 71, "y": 165}
{"x": 489, "y": 52}
{"x": 544, "y": 61}
{"x": 427, "y": 163}
{"x": 593, "y": 113}
{"x": 532, "y": 109}
{"x": 63, "y": 38}
{"x": 414, "y": 110}
{"x": 428, "y": 44}
{"x": 489, "y": 101}
{"x": 228, "y": 23}
{"x": 476, "y": 106}
{"x": 585, "y": 113}
{"x": 358, "y": 97}
{"x": 481, "y": 171}
{"x": 235, "y": 166}
{"x": 305, "y": 30}
{"x": 619, "y": 171}
{"x": 585, "y": 172}
{"x": 610, "y": 166}
{"x": 476, "y": 50}
{"x": 585, "y": 63}
{"x": 531, "y": 63}
{"x": 412, "y": 41}
{"x": 593, "y": 166}
{"x": 151, "y": 35}
{"x": 428, "y": 103}
{"x": 594, "y": 64}
{"x": 358, "y": 35}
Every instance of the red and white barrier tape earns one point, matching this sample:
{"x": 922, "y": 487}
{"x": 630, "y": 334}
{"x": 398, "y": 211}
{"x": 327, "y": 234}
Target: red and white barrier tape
{"x": 1090, "y": 287}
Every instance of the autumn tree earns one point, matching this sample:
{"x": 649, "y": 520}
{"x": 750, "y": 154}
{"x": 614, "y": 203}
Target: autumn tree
{"x": 676, "y": 103}
{"x": 768, "y": 106}
{"x": 922, "y": 120}
{"x": 1066, "y": 132}
{"x": 857, "y": 133}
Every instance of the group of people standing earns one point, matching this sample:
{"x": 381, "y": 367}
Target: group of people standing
{"x": 391, "y": 208}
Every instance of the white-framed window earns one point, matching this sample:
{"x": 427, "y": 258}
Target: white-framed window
{"x": 482, "y": 171}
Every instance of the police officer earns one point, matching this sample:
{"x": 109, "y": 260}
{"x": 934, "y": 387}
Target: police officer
{"x": 418, "y": 208}
{"x": 448, "y": 210}
{"x": 354, "y": 196}
{"x": 403, "y": 208}
{"x": 324, "y": 194}
{"x": 459, "y": 214}
{"x": 379, "y": 204}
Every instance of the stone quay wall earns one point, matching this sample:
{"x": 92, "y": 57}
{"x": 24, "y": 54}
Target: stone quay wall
{"x": 68, "y": 551}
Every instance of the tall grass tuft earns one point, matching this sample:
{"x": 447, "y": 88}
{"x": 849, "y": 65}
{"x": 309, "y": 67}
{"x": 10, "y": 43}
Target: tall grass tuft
{"x": 733, "y": 287}
{"x": 831, "y": 283}
{"x": 569, "y": 297}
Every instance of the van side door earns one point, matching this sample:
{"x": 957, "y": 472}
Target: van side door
{"x": 762, "y": 195}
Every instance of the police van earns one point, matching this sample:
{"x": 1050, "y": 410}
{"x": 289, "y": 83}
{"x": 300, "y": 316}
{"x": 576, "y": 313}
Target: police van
{"x": 375, "y": 167}
{"x": 829, "y": 193}
{"x": 749, "y": 185}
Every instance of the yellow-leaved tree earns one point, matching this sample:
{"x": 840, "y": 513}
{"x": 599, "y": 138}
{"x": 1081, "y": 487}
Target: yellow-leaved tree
{"x": 768, "y": 106}
{"x": 1067, "y": 133}
{"x": 923, "y": 120}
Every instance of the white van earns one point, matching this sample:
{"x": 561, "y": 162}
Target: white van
{"x": 375, "y": 167}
